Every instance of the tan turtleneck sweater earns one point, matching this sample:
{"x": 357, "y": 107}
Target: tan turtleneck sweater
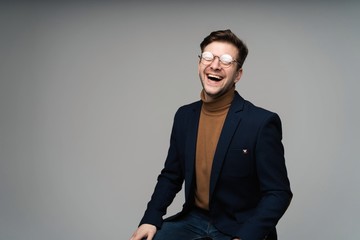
{"x": 212, "y": 117}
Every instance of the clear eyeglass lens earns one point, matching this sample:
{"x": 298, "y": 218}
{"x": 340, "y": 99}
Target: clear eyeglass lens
{"x": 226, "y": 59}
{"x": 207, "y": 56}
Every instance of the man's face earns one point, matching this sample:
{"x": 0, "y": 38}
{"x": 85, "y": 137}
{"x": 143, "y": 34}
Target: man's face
{"x": 216, "y": 79}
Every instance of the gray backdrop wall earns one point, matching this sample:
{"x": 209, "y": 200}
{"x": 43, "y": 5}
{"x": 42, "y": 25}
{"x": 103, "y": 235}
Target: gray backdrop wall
{"x": 88, "y": 92}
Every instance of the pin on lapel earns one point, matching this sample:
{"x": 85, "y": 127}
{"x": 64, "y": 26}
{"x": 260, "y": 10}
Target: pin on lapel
{"x": 245, "y": 151}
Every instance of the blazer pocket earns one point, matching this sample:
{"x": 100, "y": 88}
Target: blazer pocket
{"x": 238, "y": 163}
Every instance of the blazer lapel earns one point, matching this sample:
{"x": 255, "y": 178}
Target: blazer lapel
{"x": 231, "y": 123}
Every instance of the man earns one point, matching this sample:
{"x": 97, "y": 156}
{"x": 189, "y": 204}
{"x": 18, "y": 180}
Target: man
{"x": 230, "y": 155}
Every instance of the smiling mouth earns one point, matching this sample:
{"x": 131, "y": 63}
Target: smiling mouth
{"x": 214, "y": 77}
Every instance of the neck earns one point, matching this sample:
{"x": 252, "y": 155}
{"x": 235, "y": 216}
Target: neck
{"x": 219, "y": 103}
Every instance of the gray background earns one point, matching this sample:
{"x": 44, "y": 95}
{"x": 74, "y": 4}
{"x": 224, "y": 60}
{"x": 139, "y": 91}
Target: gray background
{"x": 88, "y": 92}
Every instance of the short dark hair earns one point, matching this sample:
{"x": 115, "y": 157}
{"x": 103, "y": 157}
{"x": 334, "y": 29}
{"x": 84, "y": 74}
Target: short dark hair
{"x": 230, "y": 37}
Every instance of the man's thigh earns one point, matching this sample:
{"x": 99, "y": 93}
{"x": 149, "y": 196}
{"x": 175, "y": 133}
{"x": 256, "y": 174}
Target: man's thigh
{"x": 180, "y": 229}
{"x": 192, "y": 226}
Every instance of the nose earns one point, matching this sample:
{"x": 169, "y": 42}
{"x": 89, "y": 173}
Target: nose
{"x": 215, "y": 63}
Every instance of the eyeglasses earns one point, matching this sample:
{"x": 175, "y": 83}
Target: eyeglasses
{"x": 225, "y": 60}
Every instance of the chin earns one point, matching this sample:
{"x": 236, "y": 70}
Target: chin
{"x": 212, "y": 90}
{"x": 212, "y": 94}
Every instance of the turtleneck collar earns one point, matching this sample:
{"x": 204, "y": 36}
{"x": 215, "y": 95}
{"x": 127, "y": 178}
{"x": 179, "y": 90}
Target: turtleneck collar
{"x": 218, "y": 105}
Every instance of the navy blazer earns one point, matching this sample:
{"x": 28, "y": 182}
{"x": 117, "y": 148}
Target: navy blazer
{"x": 249, "y": 187}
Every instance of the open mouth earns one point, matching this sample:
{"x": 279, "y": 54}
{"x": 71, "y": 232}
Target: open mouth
{"x": 213, "y": 77}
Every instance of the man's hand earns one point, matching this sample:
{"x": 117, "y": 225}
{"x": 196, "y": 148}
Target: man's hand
{"x": 144, "y": 231}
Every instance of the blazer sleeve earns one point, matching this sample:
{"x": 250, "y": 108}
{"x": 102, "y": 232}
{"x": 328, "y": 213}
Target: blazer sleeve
{"x": 169, "y": 182}
{"x": 273, "y": 180}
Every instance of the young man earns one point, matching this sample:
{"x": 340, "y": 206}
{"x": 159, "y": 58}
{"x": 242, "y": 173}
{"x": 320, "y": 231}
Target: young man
{"x": 230, "y": 155}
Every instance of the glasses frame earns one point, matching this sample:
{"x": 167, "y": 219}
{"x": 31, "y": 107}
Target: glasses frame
{"x": 208, "y": 62}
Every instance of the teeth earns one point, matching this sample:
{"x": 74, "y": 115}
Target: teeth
{"x": 214, "y": 76}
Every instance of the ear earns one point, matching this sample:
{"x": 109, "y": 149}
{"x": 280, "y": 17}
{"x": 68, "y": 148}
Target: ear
{"x": 238, "y": 75}
{"x": 199, "y": 67}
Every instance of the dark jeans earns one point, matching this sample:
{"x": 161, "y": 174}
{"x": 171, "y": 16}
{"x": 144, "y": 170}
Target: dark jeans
{"x": 196, "y": 225}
